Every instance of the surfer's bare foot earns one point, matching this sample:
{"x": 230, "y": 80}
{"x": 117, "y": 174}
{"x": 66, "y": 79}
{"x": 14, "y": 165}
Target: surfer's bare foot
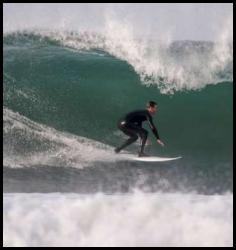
{"x": 141, "y": 154}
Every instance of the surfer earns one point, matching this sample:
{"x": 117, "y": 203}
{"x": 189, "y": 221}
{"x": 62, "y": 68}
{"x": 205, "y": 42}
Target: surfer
{"x": 131, "y": 125}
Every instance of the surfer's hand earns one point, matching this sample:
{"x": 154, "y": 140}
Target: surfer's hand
{"x": 161, "y": 143}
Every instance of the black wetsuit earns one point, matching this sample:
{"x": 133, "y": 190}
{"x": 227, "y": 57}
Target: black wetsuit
{"x": 131, "y": 125}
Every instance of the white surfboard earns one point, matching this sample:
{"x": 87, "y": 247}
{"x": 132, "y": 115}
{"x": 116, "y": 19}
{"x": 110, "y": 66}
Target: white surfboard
{"x": 149, "y": 158}
{"x": 155, "y": 158}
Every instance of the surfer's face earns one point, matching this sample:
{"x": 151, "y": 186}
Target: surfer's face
{"x": 152, "y": 110}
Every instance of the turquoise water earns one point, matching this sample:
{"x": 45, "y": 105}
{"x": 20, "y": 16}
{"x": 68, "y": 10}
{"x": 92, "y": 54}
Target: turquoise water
{"x": 84, "y": 91}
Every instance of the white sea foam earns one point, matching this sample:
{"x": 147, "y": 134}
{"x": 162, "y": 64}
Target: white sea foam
{"x": 138, "y": 219}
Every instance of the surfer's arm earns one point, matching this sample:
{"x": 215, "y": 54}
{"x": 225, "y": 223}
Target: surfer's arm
{"x": 153, "y": 128}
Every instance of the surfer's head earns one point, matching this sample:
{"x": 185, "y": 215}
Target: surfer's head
{"x": 151, "y": 107}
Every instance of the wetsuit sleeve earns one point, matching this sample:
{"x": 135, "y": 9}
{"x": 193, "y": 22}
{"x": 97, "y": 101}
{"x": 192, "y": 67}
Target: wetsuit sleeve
{"x": 152, "y": 126}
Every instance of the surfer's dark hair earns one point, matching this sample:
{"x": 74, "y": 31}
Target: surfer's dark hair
{"x": 151, "y": 104}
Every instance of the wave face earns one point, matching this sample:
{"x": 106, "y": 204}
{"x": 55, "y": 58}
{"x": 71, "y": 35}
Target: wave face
{"x": 65, "y": 91}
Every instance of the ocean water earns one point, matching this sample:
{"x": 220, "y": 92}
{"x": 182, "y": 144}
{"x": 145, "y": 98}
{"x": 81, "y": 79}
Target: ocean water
{"x": 63, "y": 93}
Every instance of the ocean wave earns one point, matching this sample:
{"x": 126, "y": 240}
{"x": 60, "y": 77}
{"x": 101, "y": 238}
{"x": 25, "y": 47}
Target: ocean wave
{"x": 62, "y": 90}
{"x": 171, "y": 66}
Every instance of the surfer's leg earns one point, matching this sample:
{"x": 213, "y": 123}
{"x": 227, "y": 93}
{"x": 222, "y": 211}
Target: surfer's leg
{"x": 143, "y": 134}
{"x": 133, "y": 137}
{"x": 127, "y": 143}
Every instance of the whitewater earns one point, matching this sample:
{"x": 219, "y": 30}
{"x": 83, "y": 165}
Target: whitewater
{"x": 132, "y": 220}
{"x": 65, "y": 86}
